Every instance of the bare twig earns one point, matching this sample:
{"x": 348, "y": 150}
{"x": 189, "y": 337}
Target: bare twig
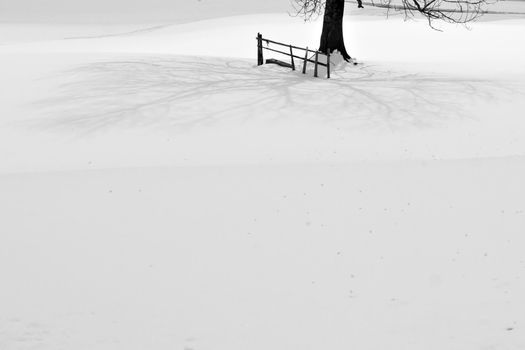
{"x": 451, "y": 11}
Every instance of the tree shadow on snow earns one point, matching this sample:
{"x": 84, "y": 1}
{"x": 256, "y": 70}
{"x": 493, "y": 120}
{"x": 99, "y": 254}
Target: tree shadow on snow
{"x": 187, "y": 92}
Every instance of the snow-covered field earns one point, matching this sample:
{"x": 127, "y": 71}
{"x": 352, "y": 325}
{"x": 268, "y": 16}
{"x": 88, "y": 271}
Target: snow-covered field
{"x": 158, "y": 190}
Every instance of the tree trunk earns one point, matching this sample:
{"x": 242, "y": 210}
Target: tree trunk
{"x": 332, "y": 35}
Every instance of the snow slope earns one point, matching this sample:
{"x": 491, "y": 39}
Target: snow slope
{"x": 401, "y": 255}
{"x": 412, "y": 100}
{"x": 158, "y": 190}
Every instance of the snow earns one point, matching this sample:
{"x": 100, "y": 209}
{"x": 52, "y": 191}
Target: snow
{"x": 159, "y": 190}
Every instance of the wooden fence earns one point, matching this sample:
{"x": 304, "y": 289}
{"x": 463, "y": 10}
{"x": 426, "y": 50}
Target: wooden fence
{"x": 291, "y": 48}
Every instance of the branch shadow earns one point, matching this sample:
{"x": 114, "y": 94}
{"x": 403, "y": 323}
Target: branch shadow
{"x": 189, "y": 92}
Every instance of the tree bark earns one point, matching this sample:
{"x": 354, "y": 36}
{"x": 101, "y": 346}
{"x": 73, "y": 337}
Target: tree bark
{"x": 332, "y": 35}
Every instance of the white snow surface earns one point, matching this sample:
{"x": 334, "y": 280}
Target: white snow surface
{"x": 158, "y": 190}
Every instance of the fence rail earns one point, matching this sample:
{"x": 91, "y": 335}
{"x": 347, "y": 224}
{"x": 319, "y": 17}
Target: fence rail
{"x": 305, "y": 59}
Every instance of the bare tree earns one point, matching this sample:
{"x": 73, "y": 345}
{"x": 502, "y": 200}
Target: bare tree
{"x": 452, "y": 11}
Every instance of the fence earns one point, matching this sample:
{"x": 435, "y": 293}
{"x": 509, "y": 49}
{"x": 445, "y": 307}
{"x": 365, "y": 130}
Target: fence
{"x": 305, "y": 59}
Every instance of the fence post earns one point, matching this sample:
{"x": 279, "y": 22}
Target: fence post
{"x": 305, "y": 60}
{"x": 316, "y": 62}
{"x": 328, "y": 64}
{"x": 291, "y": 55}
{"x": 260, "y": 58}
